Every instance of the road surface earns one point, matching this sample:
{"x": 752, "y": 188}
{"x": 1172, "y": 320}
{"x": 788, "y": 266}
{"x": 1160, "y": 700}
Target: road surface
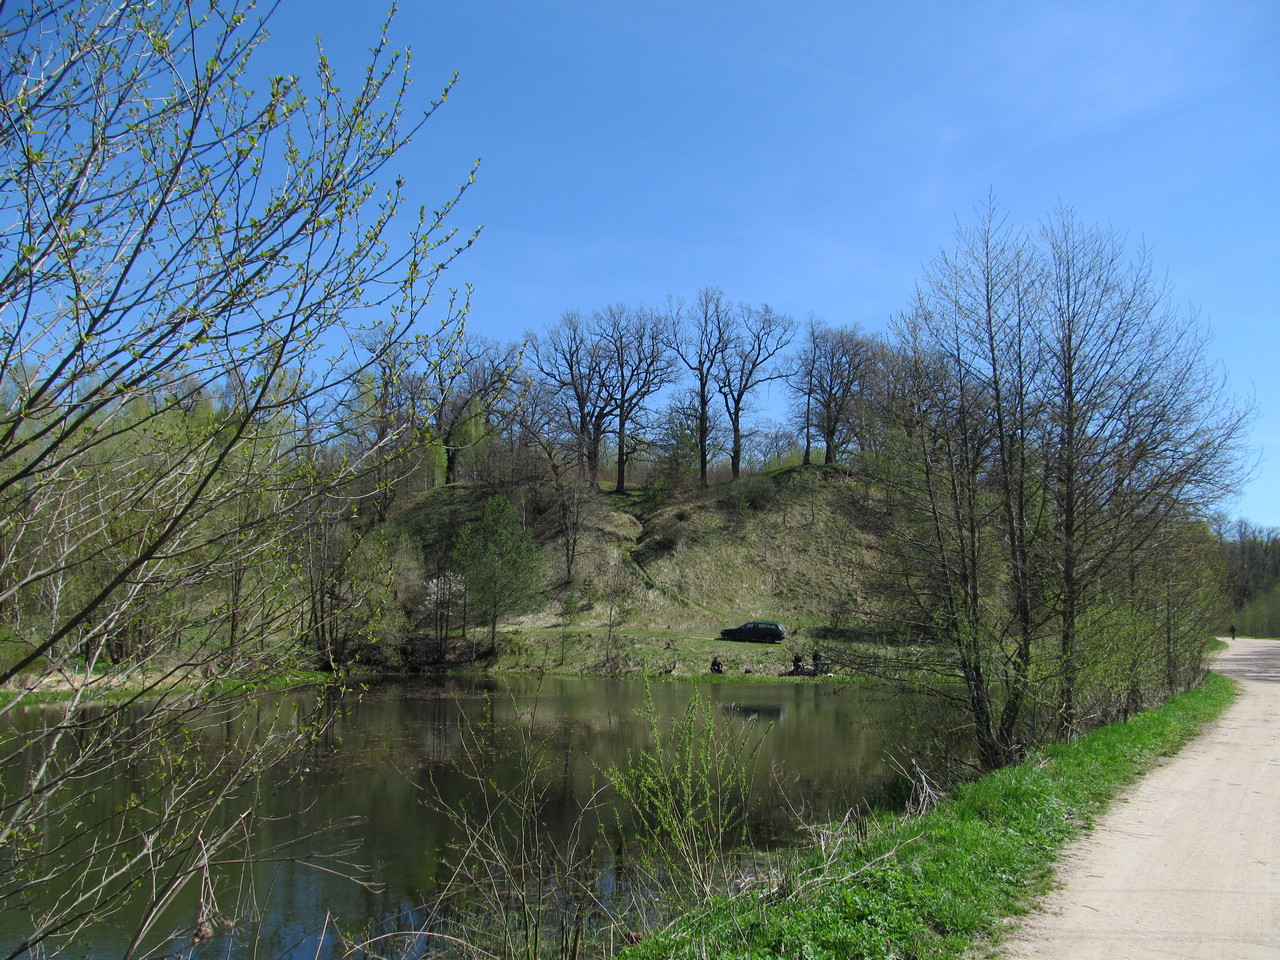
{"x": 1187, "y": 863}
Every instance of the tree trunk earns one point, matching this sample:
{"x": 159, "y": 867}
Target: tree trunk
{"x": 622, "y": 455}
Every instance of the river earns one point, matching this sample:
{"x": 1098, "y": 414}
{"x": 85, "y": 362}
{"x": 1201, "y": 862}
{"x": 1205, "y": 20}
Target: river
{"x": 394, "y": 755}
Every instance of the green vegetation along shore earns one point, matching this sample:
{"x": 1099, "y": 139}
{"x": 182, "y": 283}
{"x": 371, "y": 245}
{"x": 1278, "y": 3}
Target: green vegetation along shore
{"x": 946, "y": 883}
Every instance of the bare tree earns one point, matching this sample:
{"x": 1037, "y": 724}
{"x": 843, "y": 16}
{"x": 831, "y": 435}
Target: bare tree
{"x": 169, "y": 238}
{"x": 1054, "y": 421}
{"x": 960, "y": 476}
{"x": 826, "y": 382}
{"x": 700, "y": 336}
{"x": 991, "y": 289}
{"x": 577, "y": 367}
{"x": 682, "y": 435}
{"x": 943, "y": 580}
{"x": 465, "y": 386}
{"x": 1139, "y": 425}
{"x": 640, "y": 364}
{"x": 771, "y": 442}
{"x": 540, "y": 425}
{"x": 757, "y": 338}
{"x": 390, "y": 408}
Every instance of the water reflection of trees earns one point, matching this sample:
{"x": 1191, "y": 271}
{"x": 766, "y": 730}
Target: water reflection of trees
{"x": 363, "y": 782}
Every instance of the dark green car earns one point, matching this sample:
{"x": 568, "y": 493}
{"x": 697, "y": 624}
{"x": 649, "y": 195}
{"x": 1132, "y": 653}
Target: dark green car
{"x": 757, "y": 631}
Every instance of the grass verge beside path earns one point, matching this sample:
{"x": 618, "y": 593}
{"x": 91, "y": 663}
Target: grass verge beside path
{"x": 946, "y": 883}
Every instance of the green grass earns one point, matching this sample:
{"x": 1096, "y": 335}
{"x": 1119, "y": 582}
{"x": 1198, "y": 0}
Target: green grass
{"x": 944, "y": 884}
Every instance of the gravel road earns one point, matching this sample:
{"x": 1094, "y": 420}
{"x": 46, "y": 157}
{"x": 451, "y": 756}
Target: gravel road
{"x": 1185, "y": 864}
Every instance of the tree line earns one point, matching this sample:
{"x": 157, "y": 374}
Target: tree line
{"x": 676, "y": 389}
{"x": 1252, "y": 558}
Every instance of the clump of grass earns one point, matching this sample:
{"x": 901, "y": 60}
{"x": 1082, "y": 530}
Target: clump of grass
{"x": 942, "y": 883}
{"x": 688, "y": 797}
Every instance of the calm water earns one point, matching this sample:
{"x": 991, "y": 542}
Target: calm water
{"x": 823, "y": 749}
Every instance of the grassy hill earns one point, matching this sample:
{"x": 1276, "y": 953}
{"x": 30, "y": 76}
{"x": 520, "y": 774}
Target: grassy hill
{"x": 776, "y": 547}
{"x": 654, "y": 583}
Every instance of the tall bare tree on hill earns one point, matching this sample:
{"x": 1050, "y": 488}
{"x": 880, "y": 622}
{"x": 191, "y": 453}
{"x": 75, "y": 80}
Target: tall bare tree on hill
{"x": 700, "y": 335}
{"x": 757, "y": 338}
{"x": 465, "y": 385}
{"x": 827, "y": 381}
{"x": 540, "y": 424}
{"x": 640, "y": 364}
{"x": 576, "y": 365}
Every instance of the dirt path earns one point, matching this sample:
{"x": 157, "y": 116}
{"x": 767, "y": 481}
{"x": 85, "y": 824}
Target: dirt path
{"x": 1187, "y": 864}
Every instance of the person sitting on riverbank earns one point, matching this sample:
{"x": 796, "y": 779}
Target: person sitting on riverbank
{"x": 716, "y": 665}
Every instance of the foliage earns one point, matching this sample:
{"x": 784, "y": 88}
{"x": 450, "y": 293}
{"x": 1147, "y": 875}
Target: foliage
{"x": 1055, "y": 439}
{"x": 196, "y": 280}
{"x": 1260, "y": 617}
{"x": 1252, "y": 555}
{"x": 828, "y": 387}
{"x": 688, "y": 795}
{"x": 1252, "y": 558}
{"x": 500, "y": 562}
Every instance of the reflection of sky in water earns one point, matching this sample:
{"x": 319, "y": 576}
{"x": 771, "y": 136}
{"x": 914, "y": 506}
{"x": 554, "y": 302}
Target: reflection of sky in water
{"x": 821, "y": 751}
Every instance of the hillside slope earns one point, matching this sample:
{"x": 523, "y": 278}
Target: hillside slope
{"x": 786, "y": 547}
{"x": 653, "y": 585}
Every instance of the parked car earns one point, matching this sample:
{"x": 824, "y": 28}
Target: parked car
{"x": 757, "y": 631}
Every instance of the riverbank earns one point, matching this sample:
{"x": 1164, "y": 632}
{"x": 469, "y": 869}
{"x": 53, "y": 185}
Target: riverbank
{"x": 947, "y": 883}
{"x": 653, "y": 655}
{"x": 110, "y": 685}
{"x": 630, "y": 652}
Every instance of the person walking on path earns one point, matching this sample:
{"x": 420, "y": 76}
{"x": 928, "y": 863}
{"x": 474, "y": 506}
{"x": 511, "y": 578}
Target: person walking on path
{"x": 1186, "y": 864}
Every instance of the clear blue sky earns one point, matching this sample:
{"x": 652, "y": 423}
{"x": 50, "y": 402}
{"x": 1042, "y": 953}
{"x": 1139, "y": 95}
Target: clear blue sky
{"x": 814, "y": 155}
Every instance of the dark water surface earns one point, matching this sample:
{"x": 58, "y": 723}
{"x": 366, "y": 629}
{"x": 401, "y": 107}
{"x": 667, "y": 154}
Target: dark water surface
{"x": 823, "y": 749}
